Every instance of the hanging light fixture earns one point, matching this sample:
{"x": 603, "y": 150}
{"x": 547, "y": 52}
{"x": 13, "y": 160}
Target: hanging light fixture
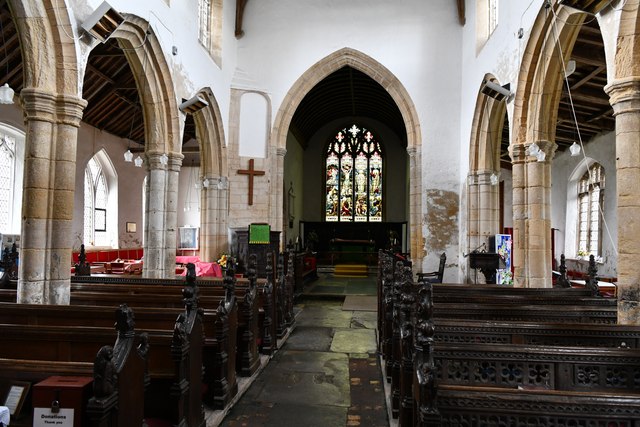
{"x": 574, "y": 149}
{"x": 128, "y": 156}
{"x": 494, "y": 179}
{"x": 6, "y": 93}
{"x": 138, "y": 162}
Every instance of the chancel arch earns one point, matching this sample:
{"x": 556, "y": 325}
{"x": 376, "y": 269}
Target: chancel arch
{"x": 346, "y": 59}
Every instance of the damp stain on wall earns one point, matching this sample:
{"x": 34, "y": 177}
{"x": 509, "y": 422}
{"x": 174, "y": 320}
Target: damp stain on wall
{"x": 441, "y": 219}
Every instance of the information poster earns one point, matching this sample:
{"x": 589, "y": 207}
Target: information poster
{"x": 503, "y": 248}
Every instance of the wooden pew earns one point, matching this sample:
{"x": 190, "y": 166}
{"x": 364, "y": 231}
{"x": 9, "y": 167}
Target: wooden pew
{"x": 119, "y": 371}
{"x": 175, "y": 362}
{"x": 465, "y": 355}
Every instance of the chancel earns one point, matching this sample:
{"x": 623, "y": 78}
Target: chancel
{"x": 338, "y": 213}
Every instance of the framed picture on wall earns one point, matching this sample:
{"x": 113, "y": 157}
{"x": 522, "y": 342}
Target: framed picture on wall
{"x": 188, "y": 238}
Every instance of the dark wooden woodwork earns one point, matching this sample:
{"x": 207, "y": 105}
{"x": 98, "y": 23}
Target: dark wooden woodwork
{"x": 251, "y": 173}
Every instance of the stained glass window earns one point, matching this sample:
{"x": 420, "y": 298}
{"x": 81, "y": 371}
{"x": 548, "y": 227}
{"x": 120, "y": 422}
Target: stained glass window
{"x": 7, "y": 173}
{"x": 95, "y": 205}
{"x": 353, "y": 176}
{"x": 590, "y": 199}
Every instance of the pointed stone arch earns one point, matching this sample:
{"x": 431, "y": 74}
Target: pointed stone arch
{"x": 536, "y": 109}
{"x": 155, "y": 86}
{"x": 484, "y": 160}
{"x": 163, "y": 145}
{"x": 383, "y": 76}
{"x": 213, "y": 171}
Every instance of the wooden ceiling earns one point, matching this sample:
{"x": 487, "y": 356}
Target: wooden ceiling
{"x": 114, "y": 101}
{"x": 344, "y": 94}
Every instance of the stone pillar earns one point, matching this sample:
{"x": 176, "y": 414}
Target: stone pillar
{"x": 625, "y": 98}
{"x": 483, "y": 211}
{"x": 47, "y": 206}
{"x": 518, "y": 159}
{"x": 278, "y": 180}
{"x": 473, "y": 228}
{"x": 416, "y": 240}
{"x": 160, "y": 231}
{"x": 532, "y": 218}
{"x": 213, "y": 219}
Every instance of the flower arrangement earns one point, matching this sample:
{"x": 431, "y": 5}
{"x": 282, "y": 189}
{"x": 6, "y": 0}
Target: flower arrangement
{"x": 222, "y": 260}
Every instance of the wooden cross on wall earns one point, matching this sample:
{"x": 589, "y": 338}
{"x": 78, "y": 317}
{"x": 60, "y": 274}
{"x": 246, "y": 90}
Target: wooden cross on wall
{"x": 251, "y": 172}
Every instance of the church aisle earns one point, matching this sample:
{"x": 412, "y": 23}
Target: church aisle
{"x": 326, "y": 374}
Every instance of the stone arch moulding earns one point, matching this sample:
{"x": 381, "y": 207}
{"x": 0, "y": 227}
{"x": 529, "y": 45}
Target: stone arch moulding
{"x": 153, "y": 78}
{"x": 484, "y": 160}
{"x": 211, "y": 137}
{"x": 535, "y": 114}
{"x": 49, "y": 55}
{"x": 383, "y": 76}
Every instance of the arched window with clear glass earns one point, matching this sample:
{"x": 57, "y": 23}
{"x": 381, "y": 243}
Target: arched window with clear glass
{"x": 590, "y": 200}
{"x": 353, "y": 176}
{"x": 100, "y": 202}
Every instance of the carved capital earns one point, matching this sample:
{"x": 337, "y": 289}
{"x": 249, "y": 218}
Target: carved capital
{"x": 70, "y": 110}
{"x": 624, "y": 95}
{"x": 281, "y": 151}
{"x": 38, "y": 105}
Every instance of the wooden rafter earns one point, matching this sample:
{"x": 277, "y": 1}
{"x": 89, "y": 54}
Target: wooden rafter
{"x": 462, "y": 18}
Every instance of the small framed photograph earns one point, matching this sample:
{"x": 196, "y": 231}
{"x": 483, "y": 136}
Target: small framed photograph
{"x": 131, "y": 227}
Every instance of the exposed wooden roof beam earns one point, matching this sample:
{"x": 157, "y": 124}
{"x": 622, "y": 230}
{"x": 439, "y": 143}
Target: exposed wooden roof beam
{"x": 240, "y": 5}
{"x": 462, "y": 18}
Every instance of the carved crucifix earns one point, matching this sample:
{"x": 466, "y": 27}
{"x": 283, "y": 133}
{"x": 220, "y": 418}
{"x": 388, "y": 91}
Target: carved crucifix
{"x": 251, "y": 172}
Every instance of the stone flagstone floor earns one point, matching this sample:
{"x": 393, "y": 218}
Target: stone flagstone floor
{"x": 327, "y": 373}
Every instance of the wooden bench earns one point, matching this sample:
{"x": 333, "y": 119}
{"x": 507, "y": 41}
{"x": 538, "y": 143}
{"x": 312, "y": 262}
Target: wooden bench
{"x": 119, "y": 382}
{"x": 430, "y": 352}
{"x": 175, "y": 362}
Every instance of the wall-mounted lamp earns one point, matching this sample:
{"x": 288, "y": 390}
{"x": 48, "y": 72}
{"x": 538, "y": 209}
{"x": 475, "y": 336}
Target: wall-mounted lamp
{"x": 494, "y": 179}
{"x": 138, "y": 162}
{"x": 164, "y": 159}
{"x": 533, "y": 149}
{"x": 592, "y": 7}
{"x": 193, "y": 105}
{"x": 541, "y": 156}
{"x": 205, "y": 183}
{"x": 223, "y": 183}
{"x": 497, "y": 92}
{"x": 103, "y": 22}
{"x": 574, "y": 149}
{"x": 128, "y": 156}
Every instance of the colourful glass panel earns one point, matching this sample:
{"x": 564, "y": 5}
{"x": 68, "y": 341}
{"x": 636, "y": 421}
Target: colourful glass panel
{"x": 361, "y": 205}
{"x": 346, "y": 188}
{"x": 331, "y": 188}
{"x": 375, "y": 187}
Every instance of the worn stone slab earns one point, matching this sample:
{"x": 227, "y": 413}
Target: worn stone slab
{"x": 354, "y": 341}
{"x": 310, "y": 338}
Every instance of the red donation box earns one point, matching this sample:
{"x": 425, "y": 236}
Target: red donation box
{"x": 60, "y": 401}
